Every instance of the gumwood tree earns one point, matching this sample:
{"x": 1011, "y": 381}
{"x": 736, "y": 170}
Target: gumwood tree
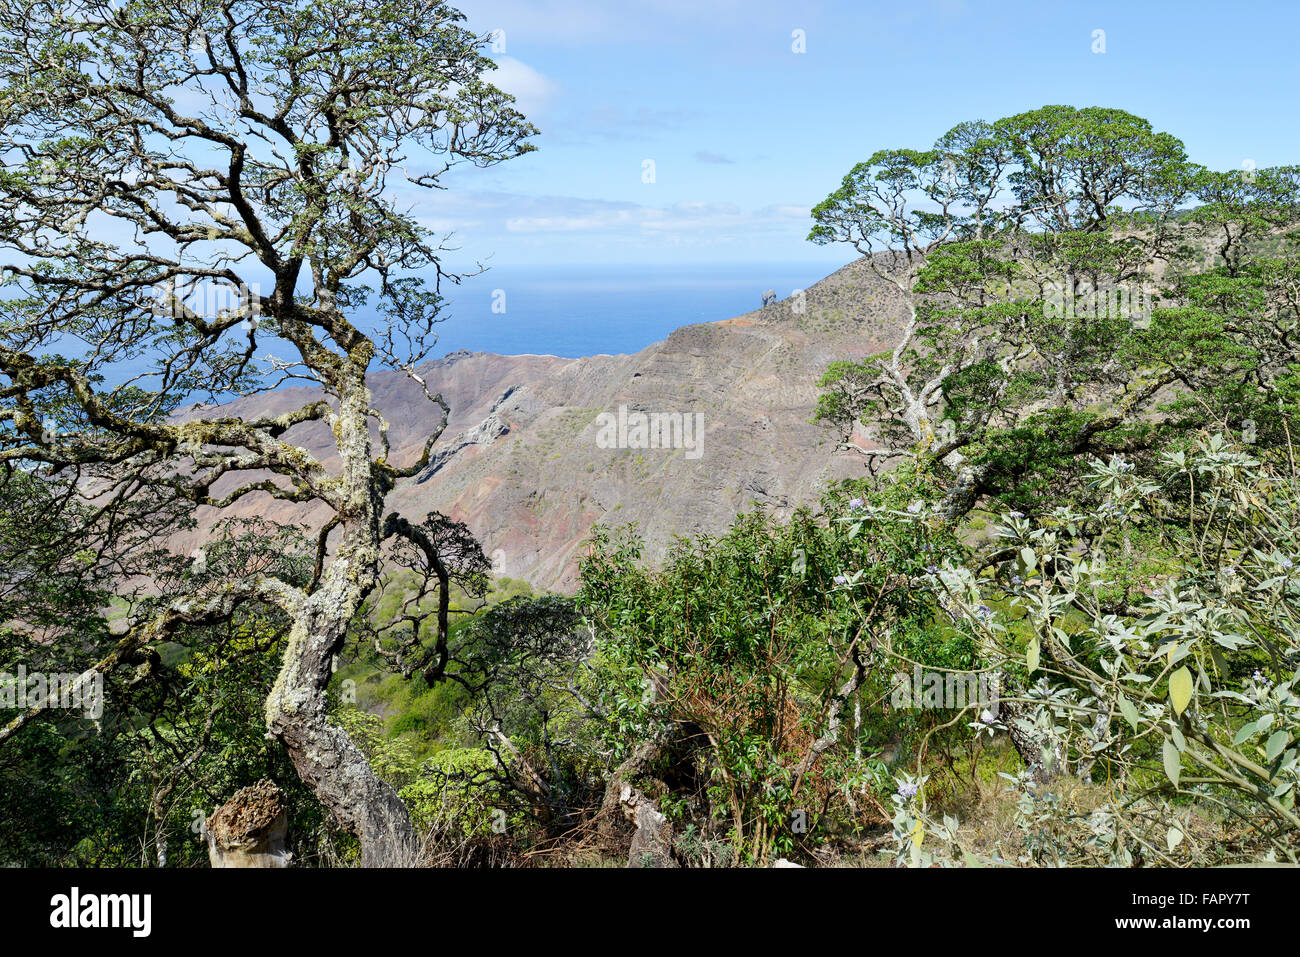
{"x": 1027, "y": 252}
{"x": 182, "y": 184}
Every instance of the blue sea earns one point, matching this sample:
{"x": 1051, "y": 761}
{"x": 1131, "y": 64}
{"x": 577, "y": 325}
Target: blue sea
{"x": 568, "y": 311}
{"x": 573, "y": 311}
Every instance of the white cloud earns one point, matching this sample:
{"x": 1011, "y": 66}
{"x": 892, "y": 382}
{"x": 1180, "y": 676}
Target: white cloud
{"x": 532, "y": 90}
{"x": 555, "y": 214}
{"x": 588, "y": 22}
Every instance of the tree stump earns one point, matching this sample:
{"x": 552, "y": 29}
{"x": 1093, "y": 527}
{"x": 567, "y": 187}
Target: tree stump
{"x": 250, "y": 829}
{"x": 652, "y": 842}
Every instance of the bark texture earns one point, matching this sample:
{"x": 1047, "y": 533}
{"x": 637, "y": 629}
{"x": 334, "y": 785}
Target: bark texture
{"x": 250, "y": 829}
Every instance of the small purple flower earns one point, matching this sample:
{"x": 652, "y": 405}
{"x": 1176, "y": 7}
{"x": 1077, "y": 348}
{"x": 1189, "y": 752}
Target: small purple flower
{"x": 855, "y": 503}
{"x": 987, "y": 716}
{"x": 1017, "y": 580}
{"x": 984, "y": 611}
{"x": 1016, "y": 515}
{"x": 1286, "y": 563}
{"x": 932, "y": 569}
{"x": 916, "y": 507}
{"x": 841, "y": 579}
{"x": 907, "y": 790}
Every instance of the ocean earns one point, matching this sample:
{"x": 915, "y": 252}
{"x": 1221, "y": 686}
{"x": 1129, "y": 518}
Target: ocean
{"x": 573, "y": 311}
{"x": 566, "y": 311}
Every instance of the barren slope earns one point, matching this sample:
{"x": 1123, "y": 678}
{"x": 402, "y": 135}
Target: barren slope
{"x": 520, "y": 463}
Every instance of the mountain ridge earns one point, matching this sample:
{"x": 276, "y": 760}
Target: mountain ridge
{"x": 520, "y": 463}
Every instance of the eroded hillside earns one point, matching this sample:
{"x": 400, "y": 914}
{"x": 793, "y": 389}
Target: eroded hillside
{"x": 521, "y": 465}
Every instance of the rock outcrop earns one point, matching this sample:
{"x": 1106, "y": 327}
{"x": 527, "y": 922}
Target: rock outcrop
{"x": 521, "y": 464}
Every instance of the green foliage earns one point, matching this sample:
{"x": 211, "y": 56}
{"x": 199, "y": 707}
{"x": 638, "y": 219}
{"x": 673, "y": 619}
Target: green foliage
{"x": 1035, "y": 338}
{"x": 1137, "y": 595}
{"x": 181, "y": 731}
{"x": 456, "y": 796}
{"x": 1175, "y": 689}
{"x": 52, "y": 577}
{"x": 759, "y": 642}
{"x": 392, "y": 758}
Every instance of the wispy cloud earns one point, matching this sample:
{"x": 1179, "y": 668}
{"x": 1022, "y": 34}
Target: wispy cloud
{"x": 533, "y": 91}
{"x": 617, "y": 123}
{"x": 570, "y": 214}
{"x": 578, "y": 23}
{"x": 704, "y": 156}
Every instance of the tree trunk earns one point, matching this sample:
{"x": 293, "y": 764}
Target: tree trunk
{"x": 327, "y": 760}
{"x": 652, "y": 836}
{"x": 652, "y": 841}
{"x": 1028, "y": 745}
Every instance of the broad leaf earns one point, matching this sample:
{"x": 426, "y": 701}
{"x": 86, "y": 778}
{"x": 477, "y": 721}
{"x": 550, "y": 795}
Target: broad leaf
{"x": 1180, "y": 689}
{"x": 1173, "y": 767}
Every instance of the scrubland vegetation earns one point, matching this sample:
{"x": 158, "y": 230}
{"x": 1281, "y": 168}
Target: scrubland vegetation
{"x": 1079, "y": 476}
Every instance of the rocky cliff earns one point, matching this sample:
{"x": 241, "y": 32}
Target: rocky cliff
{"x": 525, "y": 464}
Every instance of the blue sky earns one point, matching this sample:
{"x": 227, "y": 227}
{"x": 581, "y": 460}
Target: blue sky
{"x": 746, "y": 134}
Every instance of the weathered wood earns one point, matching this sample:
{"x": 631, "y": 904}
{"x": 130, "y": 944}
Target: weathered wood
{"x": 250, "y": 830}
{"x": 652, "y": 841}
